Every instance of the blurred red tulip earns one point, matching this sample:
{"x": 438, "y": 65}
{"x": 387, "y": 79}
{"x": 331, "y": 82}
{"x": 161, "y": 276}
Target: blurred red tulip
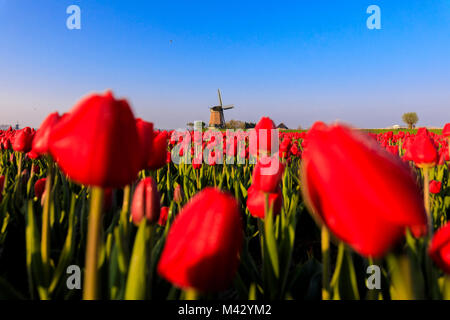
{"x": 256, "y": 201}
{"x": 439, "y": 249}
{"x": 146, "y": 202}
{"x": 203, "y": 245}
{"x": 435, "y": 186}
{"x": 23, "y": 140}
{"x": 163, "y": 215}
{"x": 423, "y": 151}
{"x": 145, "y": 133}
{"x": 446, "y": 130}
{"x": 97, "y": 142}
{"x": 39, "y": 187}
{"x": 158, "y": 157}
{"x": 364, "y": 195}
{"x": 393, "y": 150}
{"x": 197, "y": 162}
{"x": 6, "y": 144}
{"x": 40, "y": 142}
{"x": 264, "y": 126}
{"x": 294, "y": 150}
{"x": 33, "y": 155}
{"x": 422, "y": 131}
{"x": 267, "y": 174}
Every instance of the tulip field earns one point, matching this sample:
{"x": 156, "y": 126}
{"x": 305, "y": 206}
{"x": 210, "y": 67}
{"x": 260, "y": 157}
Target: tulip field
{"x": 96, "y": 204}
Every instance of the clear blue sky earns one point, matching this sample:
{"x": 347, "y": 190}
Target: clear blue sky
{"x": 295, "y": 61}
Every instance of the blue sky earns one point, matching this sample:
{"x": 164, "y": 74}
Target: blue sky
{"x": 295, "y": 61}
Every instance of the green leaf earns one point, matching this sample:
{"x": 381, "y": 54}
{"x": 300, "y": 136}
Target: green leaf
{"x": 137, "y": 272}
{"x": 33, "y": 255}
{"x": 344, "y": 284}
{"x": 68, "y": 249}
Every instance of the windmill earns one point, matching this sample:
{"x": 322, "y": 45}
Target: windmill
{"x": 217, "y": 119}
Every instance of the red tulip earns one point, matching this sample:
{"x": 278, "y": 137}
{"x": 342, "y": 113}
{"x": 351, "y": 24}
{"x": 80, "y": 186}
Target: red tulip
{"x": 364, "y": 195}
{"x": 267, "y": 174}
{"x": 423, "y": 131}
{"x": 197, "y": 162}
{"x": 294, "y": 150}
{"x": 203, "y": 245}
{"x": 6, "y": 144}
{"x": 256, "y": 201}
{"x": 446, "y": 130}
{"x": 33, "y": 155}
{"x": 97, "y": 143}
{"x": 23, "y": 141}
{"x": 439, "y": 249}
{"x": 158, "y": 158}
{"x": 393, "y": 150}
{"x": 435, "y": 186}
{"x": 423, "y": 151}
{"x": 39, "y": 187}
{"x": 265, "y": 125}
{"x": 146, "y": 202}
{"x": 163, "y": 215}
{"x": 145, "y": 133}
{"x": 40, "y": 142}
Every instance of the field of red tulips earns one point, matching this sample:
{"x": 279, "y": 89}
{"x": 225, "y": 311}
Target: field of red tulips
{"x": 97, "y": 204}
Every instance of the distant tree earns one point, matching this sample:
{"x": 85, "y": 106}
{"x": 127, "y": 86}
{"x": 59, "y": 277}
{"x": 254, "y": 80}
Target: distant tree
{"x": 235, "y": 124}
{"x": 299, "y": 128}
{"x": 410, "y": 118}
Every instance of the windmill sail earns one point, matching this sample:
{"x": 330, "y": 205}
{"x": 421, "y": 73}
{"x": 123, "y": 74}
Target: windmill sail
{"x": 220, "y": 97}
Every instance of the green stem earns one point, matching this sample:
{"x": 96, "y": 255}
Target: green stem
{"x": 91, "y": 291}
{"x": 191, "y": 294}
{"x": 30, "y": 181}
{"x": 446, "y": 289}
{"x": 45, "y": 237}
{"x": 426, "y": 199}
{"x": 124, "y": 217}
{"x": 325, "y": 243}
{"x": 19, "y": 164}
{"x": 402, "y": 283}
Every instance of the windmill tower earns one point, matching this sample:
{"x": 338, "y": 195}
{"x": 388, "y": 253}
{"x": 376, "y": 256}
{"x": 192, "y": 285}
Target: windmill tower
{"x": 217, "y": 119}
